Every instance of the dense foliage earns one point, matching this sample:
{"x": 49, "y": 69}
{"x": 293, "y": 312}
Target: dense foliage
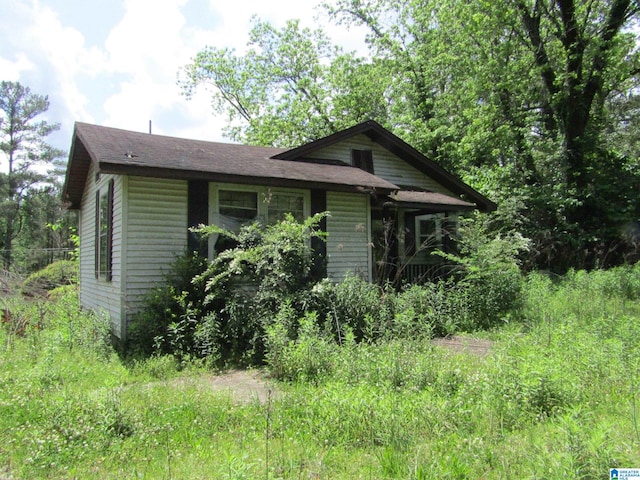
{"x": 554, "y": 396}
{"x": 54, "y": 275}
{"x": 535, "y": 103}
{"x": 34, "y": 226}
{"x": 219, "y": 310}
{"x": 265, "y": 291}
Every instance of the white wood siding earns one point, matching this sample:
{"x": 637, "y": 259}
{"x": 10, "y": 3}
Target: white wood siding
{"x": 385, "y": 164}
{"x": 156, "y": 233}
{"x": 99, "y": 294}
{"x": 348, "y": 237}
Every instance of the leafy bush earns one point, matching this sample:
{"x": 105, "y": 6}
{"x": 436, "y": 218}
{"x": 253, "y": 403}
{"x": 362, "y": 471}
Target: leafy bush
{"x": 56, "y": 274}
{"x": 270, "y": 266}
{"x": 433, "y": 310}
{"x": 167, "y": 323}
{"x": 354, "y": 305}
{"x": 488, "y": 280}
{"x": 307, "y": 358}
{"x": 219, "y": 310}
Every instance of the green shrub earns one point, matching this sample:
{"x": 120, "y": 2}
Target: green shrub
{"x": 306, "y": 358}
{"x": 430, "y": 310}
{"x": 56, "y": 274}
{"x": 269, "y": 266}
{"x": 354, "y": 305}
{"x": 489, "y": 281}
{"x": 219, "y": 310}
{"x": 167, "y": 322}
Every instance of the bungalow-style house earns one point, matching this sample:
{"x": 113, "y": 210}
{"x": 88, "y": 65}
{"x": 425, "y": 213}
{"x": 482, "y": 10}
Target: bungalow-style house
{"x": 138, "y": 194}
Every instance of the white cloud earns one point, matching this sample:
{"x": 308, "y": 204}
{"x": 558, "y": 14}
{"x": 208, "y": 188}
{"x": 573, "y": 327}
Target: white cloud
{"x": 66, "y": 57}
{"x": 125, "y": 74}
{"x": 146, "y": 50}
{"x": 13, "y": 69}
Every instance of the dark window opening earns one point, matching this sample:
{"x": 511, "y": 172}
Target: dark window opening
{"x": 362, "y": 159}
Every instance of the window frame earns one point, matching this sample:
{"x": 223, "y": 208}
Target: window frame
{"x": 263, "y": 193}
{"x": 104, "y": 232}
{"x": 423, "y": 244}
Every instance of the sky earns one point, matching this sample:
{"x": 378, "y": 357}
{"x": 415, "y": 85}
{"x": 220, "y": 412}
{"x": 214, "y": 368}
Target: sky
{"x": 115, "y": 62}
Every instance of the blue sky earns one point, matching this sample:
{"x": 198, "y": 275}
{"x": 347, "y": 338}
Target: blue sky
{"x": 114, "y": 62}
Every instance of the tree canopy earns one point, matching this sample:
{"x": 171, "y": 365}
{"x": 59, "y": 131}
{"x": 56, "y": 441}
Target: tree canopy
{"x": 25, "y": 184}
{"x": 534, "y": 102}
{"x": 291, "y": 86}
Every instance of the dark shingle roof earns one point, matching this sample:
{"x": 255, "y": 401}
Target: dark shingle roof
{"x": 433, "y": 199}
{"x": 125, "y": 152}
{"x": 113, "y": 150}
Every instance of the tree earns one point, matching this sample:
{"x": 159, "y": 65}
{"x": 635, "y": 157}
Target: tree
{"x": 22, "y": 140}
{"x": 292, "y": 86}
{"x": 523, "y": 87}
{"x": 533, "y": 102}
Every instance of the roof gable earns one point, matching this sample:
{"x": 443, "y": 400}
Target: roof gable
{"x": 399, "y": 148}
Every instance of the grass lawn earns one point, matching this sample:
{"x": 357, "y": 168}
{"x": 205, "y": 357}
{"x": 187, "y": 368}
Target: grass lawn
{"x": 556, "y": 396}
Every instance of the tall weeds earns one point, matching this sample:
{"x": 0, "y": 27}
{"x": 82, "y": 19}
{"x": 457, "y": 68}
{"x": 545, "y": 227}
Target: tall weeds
{"x": 556, "y": 396}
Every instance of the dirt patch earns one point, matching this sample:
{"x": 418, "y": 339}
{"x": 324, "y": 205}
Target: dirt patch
{"x": 243, "y": 386}
{"x": 474, "y": 346}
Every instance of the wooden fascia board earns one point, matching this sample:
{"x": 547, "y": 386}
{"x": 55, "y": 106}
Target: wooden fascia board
{"x": 78, "y": 167}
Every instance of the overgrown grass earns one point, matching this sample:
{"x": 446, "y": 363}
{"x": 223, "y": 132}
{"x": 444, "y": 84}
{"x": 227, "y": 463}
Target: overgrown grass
{"x": 556, "y": 397}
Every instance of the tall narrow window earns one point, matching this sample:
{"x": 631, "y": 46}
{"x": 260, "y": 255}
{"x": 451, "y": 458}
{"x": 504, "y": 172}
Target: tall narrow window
{"x": 362, "y": 159}
{"x": 104, "y": 232}
{"x": 429, "y": 231}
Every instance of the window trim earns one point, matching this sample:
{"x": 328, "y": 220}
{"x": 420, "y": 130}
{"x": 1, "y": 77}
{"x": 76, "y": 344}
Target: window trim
{"x": 263, "y": 194}
{"x": 104, "y": 249}
{"x": 437, "y": 219}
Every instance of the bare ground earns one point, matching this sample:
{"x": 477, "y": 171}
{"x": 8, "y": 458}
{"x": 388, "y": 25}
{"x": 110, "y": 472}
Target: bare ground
{"x": 473, "y": 346}
{"x": 243, "y": 386}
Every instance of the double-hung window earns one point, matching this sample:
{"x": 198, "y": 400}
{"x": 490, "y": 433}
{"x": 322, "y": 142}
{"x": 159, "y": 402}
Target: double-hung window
{"x": 279, "y": 204}
{"x": 239, "y": 205}
{"x": 104, "y": 232}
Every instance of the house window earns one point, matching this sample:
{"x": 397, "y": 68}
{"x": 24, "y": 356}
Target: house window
{"x": 279, "y": 204}
{"x": 362, "y": 159}
{"x": 238, "y": 205}
{"x": 104, "y": 232}
{"x": 429, "y": 232}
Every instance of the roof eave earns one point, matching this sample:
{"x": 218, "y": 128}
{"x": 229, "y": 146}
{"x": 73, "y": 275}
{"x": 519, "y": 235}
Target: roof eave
{"x": 77, "y": 170}
{"x": 436, "y": 207}
{"x": 182, "y": 174}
